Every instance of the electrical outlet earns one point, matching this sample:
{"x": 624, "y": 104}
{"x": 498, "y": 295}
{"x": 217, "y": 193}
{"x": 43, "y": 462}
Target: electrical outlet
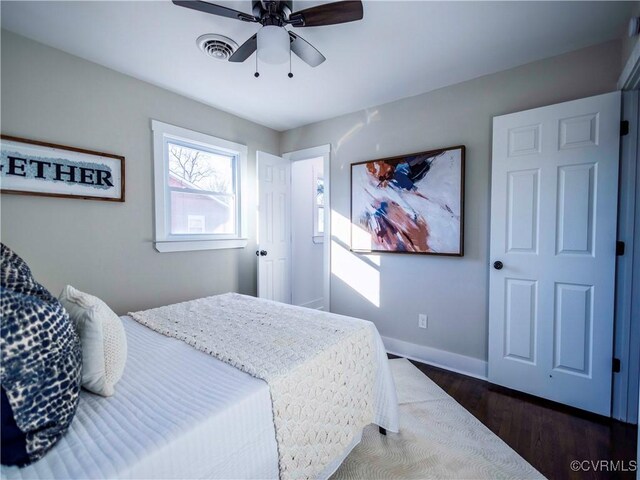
{"x": 422, "y": 320}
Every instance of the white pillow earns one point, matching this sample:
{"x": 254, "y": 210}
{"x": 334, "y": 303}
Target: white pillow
{"x": 104, "y": 343}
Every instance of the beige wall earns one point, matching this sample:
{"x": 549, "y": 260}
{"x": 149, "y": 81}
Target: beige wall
{"x": 452, "y": 291}
{"x": 106, "y": 248}
{"x": 102, "y": 247}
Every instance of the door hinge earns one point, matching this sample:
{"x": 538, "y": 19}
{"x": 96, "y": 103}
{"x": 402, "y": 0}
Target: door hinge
{"x": 619, "y": 248}
{"x": 616, "y": 365}
{"x": 624, "y": 127}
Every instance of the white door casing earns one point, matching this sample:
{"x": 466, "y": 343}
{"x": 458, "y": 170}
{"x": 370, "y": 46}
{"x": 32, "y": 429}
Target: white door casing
{"x": 274, "y": 228}
{"x": 553, "y": 226}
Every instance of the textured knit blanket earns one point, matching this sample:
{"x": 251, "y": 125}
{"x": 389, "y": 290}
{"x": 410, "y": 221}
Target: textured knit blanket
{"x": 320, "y": 368}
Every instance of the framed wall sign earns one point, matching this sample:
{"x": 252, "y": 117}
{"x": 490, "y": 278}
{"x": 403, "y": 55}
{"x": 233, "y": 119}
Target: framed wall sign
{"x": 37, "y": 168}
{"x": 409, "y": 204}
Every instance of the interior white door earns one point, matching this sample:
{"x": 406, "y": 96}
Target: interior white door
{"x": 554, "y": 191}
{"x": 274, "y": 228}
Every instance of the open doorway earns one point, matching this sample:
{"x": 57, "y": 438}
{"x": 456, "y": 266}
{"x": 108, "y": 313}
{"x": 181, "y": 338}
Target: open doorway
{"x": 307, "y": 233}
{"x": 310, "y": 220}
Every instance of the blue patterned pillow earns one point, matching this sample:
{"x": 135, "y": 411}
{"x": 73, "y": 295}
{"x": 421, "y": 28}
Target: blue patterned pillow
{"x": 41, "y": 365}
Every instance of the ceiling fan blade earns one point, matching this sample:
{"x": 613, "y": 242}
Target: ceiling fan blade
{"x": 245, "y": 50}
{"x": 328, "y": 14}
{"x": 307, "y": 52}
{"x": 207, "y": 7}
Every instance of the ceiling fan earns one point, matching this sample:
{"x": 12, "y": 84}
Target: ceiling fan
{"x": 273, "y": 42}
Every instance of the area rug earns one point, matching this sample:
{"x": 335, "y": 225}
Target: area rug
{"x": 438, "y": 438}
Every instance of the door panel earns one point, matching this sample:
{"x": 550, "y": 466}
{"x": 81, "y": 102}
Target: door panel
{"x": 524, "y": 140}
{"x": 521, "y": 319}
{"x": 578, "y": 132}
{"x": 553, "y": 226}
{"x": 576, "y": 198}
{"x": 522, "y": 198}
{"x": 572, "y": 335}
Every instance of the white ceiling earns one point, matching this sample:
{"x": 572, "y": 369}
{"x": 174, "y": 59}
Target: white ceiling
{"x": 400, "y": 49}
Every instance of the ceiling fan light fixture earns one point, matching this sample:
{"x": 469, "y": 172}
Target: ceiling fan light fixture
{"x": 274, "y": 45}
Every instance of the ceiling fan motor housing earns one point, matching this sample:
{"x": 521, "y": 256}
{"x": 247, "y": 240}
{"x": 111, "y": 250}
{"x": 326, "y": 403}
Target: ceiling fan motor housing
{"x": 272, "y": 12}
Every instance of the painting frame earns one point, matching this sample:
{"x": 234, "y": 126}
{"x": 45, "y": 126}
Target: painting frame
{"x": 456, "y": 242}
{"x": 71, "y": 155}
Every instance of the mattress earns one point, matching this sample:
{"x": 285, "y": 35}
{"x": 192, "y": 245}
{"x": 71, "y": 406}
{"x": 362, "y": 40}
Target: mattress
{"x": 176, "y": 413}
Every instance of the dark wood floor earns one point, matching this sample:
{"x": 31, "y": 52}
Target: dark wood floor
{"x": 547, "y": 435}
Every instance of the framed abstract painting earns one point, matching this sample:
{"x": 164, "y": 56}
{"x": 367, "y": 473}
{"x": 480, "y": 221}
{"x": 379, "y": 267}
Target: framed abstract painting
{"x": 409, "y": 204}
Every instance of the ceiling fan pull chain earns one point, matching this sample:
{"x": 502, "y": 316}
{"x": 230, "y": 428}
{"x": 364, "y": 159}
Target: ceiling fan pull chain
{"x": 256, "y": 74}
{"x": 290, "y": 74}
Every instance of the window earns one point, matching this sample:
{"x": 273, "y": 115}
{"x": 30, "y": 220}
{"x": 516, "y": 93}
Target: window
{"x": 318, "y": 206}
{"x": 198, "y": 190}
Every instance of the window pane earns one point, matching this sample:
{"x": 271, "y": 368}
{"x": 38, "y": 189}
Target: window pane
{"x": 199, "y": 169}
{"x": 192, "y": 213}
{"x": 320, "y": 220}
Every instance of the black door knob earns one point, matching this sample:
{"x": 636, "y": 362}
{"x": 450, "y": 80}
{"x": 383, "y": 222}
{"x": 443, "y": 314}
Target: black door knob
{"x": 498, "y": 265}
{"x": 263, "y": 253}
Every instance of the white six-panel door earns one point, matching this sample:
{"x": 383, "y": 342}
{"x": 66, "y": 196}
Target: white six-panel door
{"x": 553, "y": 227}
{"x": 274, "y": 228}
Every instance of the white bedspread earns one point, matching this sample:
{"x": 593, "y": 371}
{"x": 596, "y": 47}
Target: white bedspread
{"x": 176, "y": 413}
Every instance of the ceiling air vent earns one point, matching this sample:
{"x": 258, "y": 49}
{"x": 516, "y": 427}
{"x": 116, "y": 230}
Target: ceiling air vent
{"x": 216, "y": 46}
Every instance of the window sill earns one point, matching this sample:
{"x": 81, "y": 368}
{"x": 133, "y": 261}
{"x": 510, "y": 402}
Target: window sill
{"x": 192, "y": 245}
{"x": 317, "y": 239}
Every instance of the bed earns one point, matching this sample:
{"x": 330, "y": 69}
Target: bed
{"x": 180, "y": 413}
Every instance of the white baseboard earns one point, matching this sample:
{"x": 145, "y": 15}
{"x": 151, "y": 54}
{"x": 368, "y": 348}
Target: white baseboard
{"x": 472, "y": 367}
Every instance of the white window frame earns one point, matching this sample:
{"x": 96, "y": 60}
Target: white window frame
{"x": 165, "y": 241}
